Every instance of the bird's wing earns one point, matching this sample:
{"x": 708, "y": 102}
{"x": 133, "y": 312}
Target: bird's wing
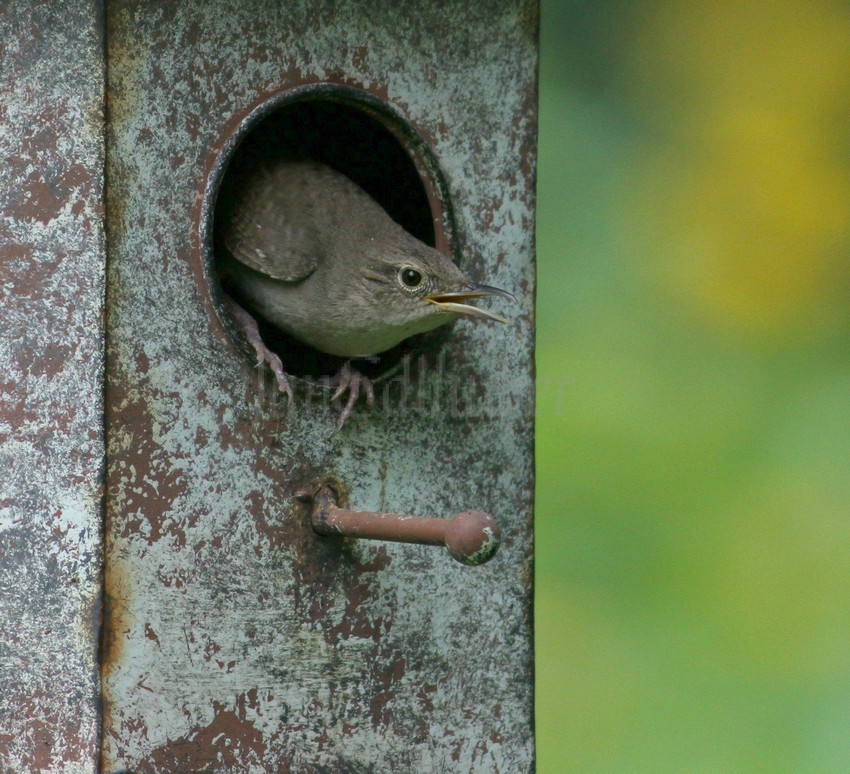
{"x": 271, "y": 235}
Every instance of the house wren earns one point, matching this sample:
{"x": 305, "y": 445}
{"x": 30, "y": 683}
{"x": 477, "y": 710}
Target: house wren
{"x": 314, "y": 255}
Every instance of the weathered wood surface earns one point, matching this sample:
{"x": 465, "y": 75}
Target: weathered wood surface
{"x": 52, "y": 264}
{"x": 236, "y": 637}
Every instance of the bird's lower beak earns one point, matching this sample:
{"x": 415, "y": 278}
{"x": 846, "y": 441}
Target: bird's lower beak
{"x": 453, "y": 302}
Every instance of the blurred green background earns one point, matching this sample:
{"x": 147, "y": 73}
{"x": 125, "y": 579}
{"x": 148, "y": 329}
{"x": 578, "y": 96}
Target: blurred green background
{"x": 693, "y": 512}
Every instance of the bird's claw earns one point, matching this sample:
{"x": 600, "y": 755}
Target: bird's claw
{"x": 267, "y": 356}
{"x": 347, "y": 380}
{"x": 351, "y": 380}
{"x": 264, "y": 354}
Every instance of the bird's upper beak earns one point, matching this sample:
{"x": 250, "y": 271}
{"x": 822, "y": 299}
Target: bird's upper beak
{"x": 453, "y": 301}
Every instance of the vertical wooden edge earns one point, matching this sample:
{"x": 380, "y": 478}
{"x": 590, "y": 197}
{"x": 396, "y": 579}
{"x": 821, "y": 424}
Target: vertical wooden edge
{"x": 530, "y": 161}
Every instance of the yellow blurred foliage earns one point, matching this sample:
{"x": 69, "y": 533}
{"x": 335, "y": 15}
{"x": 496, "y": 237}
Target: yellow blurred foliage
{"x": 745, "y": 203}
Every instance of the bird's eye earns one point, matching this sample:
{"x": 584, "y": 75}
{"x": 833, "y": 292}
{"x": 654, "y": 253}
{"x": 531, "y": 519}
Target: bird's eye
{"x": 410, "y": 277}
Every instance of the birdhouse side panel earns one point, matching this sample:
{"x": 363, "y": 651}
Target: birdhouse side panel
{"x": 52, "y": 264}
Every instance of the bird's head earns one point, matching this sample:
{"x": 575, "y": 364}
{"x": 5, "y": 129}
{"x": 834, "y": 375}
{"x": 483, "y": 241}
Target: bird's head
{"x": 414, "y": 288}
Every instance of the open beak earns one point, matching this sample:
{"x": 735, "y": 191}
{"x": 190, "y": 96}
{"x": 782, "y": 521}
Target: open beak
{"x": 453, "y": 302}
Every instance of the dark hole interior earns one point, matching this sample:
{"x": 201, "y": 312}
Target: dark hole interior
{"x": 357, "y": 144}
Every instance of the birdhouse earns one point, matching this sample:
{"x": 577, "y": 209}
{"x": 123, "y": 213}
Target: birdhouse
{"x": 198, "y": 572}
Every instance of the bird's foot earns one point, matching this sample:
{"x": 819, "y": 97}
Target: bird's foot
{"x": 350, "y": 380}
{"x": 264, "y": 354}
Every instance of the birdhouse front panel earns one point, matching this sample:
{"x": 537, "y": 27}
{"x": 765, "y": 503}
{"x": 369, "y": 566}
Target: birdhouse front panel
{"x": 236, "y": 636}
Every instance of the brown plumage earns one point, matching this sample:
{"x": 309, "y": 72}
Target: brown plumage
{"x": 312, "y": 253}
